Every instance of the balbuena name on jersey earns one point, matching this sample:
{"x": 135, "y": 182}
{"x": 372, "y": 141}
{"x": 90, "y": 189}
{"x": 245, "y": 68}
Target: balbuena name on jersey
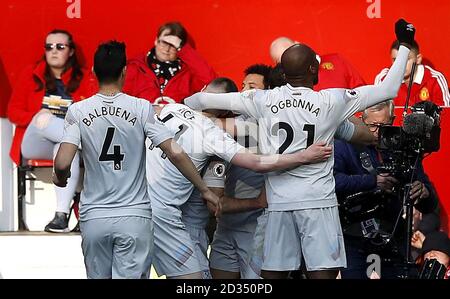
{"x": 111, "y": 110}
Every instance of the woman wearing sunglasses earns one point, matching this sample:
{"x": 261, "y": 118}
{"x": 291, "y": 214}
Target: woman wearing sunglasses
{"x": 37, "y": 107}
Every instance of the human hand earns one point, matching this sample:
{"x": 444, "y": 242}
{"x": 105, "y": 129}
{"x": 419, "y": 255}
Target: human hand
{"x": 405, "y": 32}
{"x": 317, "y": 152}
{"x": 386, "y": 182}
{"x": 418, "y": 190}
{"x": 58, "y": 182}
{"x": 212, "y": 198}
{"x": 172, "y": 40}
{"x": 417, "y": 239}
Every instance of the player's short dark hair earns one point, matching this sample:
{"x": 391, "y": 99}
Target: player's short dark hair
{"x": 260, "y": 69}
{"x": 109, "y": 61}
{"x": 276, "y": 78}
{"x": 224, "y": 84}
{"x": 414, "y": 46}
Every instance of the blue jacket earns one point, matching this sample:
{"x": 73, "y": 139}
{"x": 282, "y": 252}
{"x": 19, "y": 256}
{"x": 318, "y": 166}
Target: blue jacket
{"x": 351, "y": 177}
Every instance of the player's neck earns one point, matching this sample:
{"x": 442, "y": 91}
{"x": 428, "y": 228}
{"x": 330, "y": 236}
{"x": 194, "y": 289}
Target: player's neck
{"x": 301, "y": 83}
{"x": 109, "y": 89}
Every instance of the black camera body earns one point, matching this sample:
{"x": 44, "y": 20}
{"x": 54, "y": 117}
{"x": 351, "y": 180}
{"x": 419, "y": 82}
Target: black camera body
{"x": 394, "y": 138}
{"x": 432, "y": 269}
{"x": 420, "y": 132}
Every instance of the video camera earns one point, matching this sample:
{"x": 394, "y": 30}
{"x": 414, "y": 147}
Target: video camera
{"x": 432, "y": 269}
{"x": 406, "y": 144}
{"x": 420, "y": 131}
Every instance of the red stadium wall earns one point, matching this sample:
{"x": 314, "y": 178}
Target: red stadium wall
{"x": 233, "y": 34}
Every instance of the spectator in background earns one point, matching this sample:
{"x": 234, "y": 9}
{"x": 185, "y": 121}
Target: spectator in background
{"x": 429, "y": 84}
{"x": 334, "y": 70}
{"x": 37, "y": 107}
{"x": 369, "y": 203}
{"x": 170, "y": 71}
{"x": 435, "y": 246}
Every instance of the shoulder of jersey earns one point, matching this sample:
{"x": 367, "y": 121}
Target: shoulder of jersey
{"x": 136, "y": 98}
{"x": 174, "y": 107}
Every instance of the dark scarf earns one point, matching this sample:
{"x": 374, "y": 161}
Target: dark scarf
{"x": 164, "y": 71}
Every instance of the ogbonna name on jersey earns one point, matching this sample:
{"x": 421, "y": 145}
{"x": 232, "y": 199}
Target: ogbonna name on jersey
{"x": 113, "y": 111}
{"x": 295, "y": 103}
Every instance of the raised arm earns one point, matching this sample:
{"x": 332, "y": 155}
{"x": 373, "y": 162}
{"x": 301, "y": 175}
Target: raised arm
{"x": 241, "y": 103}
{"x": 374, "y": 94}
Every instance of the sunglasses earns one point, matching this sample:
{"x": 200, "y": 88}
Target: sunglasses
{"x": 58, "y": 46}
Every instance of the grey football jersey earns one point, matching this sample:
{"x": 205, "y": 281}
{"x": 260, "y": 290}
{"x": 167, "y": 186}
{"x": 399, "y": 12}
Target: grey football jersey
{"x": 199, "y": 138}
{"x": 242, "y": 183}
{"x": 112, "y": 133}
{"x": 292, "y": 118}
{"x": 194, "y": 211}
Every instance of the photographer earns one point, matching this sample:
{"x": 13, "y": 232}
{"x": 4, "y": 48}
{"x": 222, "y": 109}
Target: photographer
{"x": 368, "y": 223}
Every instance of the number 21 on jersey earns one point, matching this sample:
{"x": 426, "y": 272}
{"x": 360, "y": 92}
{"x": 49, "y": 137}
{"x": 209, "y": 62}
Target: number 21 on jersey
{"x": 276, "y": 128}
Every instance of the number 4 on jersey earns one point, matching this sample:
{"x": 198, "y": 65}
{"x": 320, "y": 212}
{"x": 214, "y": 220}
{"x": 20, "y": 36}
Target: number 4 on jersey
{"x": 116, "y": 156}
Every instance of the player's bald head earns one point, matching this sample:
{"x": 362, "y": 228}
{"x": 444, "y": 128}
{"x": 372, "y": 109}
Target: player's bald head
{"x": 278, "y": 46}
{"x": 299, "y": 61}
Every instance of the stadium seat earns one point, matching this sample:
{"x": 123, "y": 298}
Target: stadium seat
{"x": 23, "y": 175}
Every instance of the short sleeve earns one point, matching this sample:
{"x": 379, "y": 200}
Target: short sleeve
{"x": 154, "y": 128}
{"x": 344, "y": 103}
{"x": 72, "y": 132}
{"x": 345, "y": 130}
{"x": 219, "y": 143}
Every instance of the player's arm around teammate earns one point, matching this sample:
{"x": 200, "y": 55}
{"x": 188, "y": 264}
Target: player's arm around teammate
{"x": 181, "y": 160}
{"x": 316, "y": 153}
{"x": 360, "y": 98}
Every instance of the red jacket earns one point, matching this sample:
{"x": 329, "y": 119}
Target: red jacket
{"x": 429, "y": 85}
{"x": 336, "y": 72}
{"x": 195, "y": 73}
{"x": 25, "y": 101}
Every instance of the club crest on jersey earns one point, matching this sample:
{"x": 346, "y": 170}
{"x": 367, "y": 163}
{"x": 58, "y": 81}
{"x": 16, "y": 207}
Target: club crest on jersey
{"x": 351, "y": 94}
{"x": 424, "y": 94}
{"x": 327, "y": 66}
{"x": 219, "y": 170}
